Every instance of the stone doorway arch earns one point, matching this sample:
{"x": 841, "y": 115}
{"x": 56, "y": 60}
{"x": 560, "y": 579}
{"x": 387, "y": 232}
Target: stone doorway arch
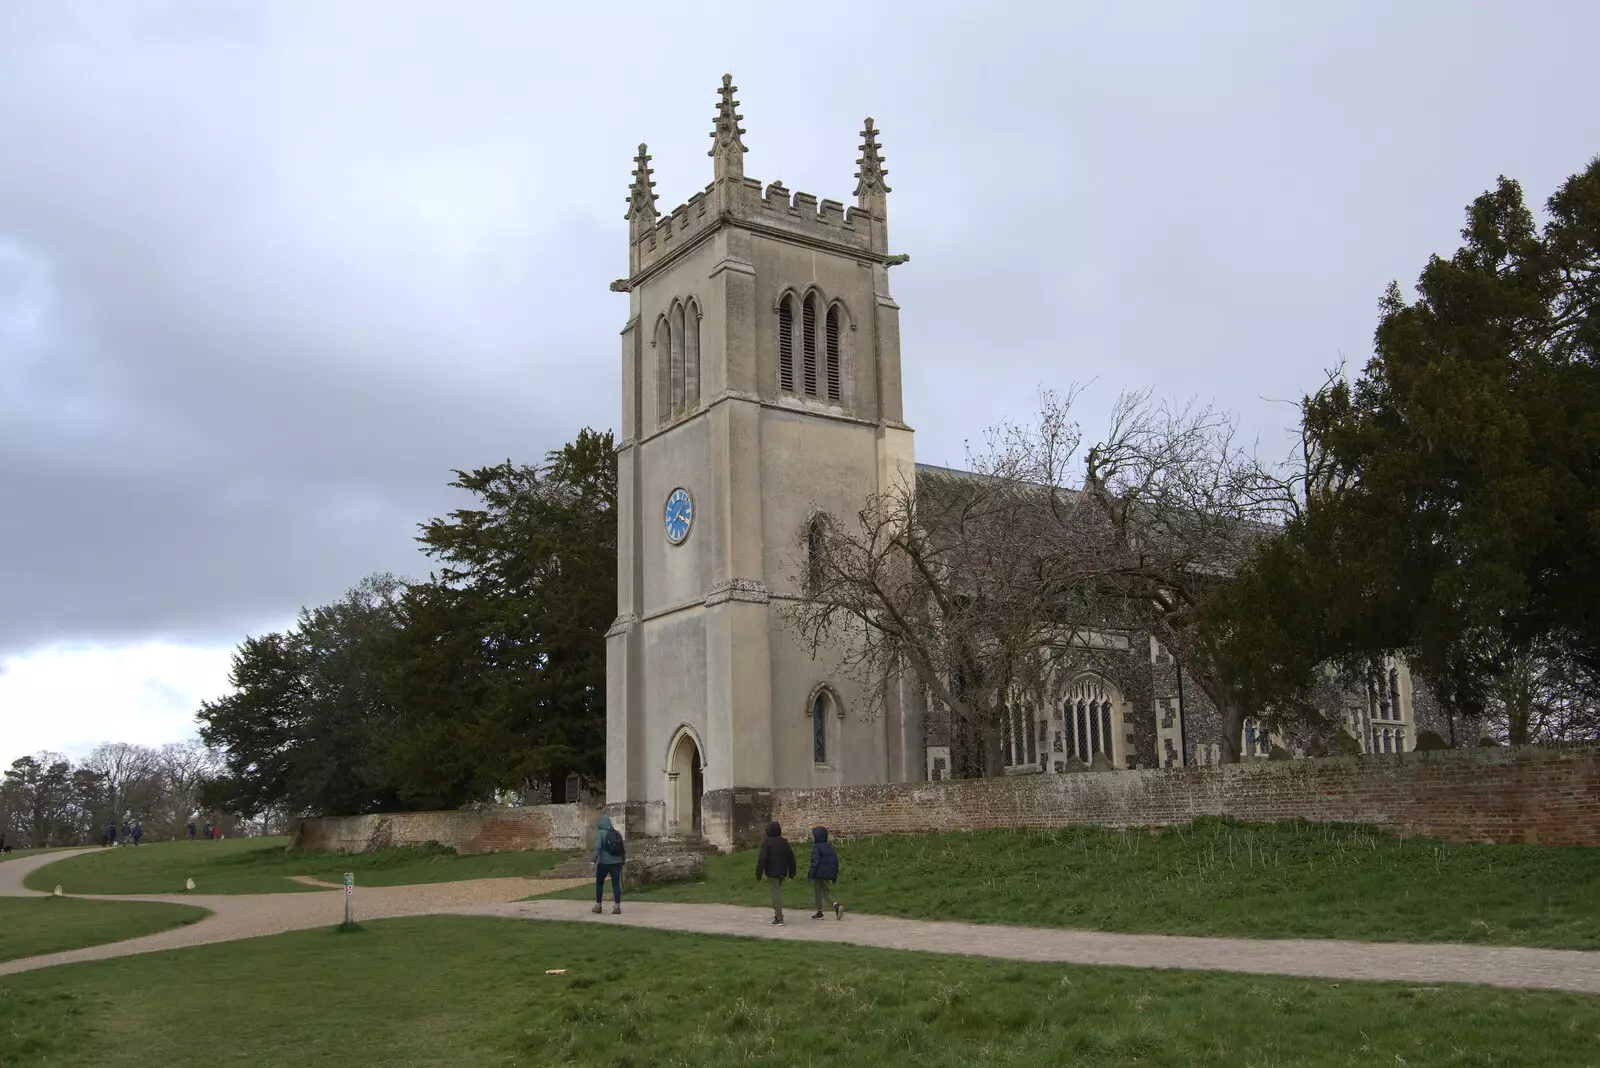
{"x": 685, "y": 784}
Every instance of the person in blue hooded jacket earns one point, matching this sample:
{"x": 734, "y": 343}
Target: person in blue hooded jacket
{"x": 823, "y": 871}
{"x": 607, "y": 863}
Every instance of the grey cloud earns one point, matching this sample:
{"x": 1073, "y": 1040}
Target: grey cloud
{"x": 269, "y": 272}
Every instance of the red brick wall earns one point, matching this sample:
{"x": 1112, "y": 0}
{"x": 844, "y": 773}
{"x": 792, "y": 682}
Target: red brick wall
{"x": 1551, "y": 797}
{"x": 467, "y": 831}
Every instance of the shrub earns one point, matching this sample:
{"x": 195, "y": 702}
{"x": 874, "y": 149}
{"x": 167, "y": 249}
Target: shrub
{"x": 1430, "y": 742}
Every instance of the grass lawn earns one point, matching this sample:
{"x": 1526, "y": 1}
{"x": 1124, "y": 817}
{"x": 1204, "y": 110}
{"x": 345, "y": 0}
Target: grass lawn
{"x": 262, "y": 865}
{"x": 1211, "y": 878}
{"x": 30, "y": 926}
{"x": 460, "y": 990}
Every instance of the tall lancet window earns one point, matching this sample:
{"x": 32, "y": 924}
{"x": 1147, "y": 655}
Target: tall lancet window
{"x": 677, "y": 358}
{"x": 816, "y": 545}
{"x": 663, "y": 351}
{"x": 819, "y": 727}
{"x": 835, "y": 388}
{"x": 808, "y": 332}
{"x": 786, "y": 345}
{"x": 691, "y": 356}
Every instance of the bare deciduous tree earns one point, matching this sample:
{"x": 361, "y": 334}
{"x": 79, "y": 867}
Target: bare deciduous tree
{"x": 1542, "y": 693}
{"x": 1170, "y": 509}
{"x": 130, "y": 775}
{"x": 945, "y": 576}
{"x": 185, "y": 768}
{"x": 990, "y": 586}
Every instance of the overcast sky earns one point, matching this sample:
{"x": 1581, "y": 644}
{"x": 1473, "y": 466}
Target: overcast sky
{"x": 270, "y": 271}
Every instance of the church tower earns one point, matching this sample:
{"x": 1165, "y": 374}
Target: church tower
{"x": 760, "y": 393}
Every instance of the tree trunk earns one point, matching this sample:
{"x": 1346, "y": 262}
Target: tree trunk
{"x": 1232, "y": 730}
{"x": 1229, "y": 713}
{"x": 994, "y": 761}
{"x": 1516, "y": 688}
{"x": 1517, "y": 720}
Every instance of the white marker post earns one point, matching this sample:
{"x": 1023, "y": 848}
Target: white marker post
{"x": 349, "y": 898}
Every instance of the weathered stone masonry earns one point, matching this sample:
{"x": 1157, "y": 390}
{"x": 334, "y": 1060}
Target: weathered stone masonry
{"x": 466, "y": 831}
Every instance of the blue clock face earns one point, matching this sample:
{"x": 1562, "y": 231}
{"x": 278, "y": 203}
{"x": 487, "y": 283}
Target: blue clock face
{"x": 679, "y": 515}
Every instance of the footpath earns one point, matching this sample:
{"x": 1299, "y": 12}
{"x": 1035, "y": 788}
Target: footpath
{"x": 256, "y": 915}
{"x": 236, "y": 916}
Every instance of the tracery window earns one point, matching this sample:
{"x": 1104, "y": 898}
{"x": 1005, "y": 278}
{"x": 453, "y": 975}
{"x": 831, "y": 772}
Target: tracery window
{"x": 1087, "y": 721}
{"x": 1020, "y": 739}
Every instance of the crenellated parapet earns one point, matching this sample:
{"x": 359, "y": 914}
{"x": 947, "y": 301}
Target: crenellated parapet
{"x": 732, "y": 197}
{"x": 803, "y": 213}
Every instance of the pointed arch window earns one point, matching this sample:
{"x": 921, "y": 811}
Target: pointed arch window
{"x": 677, "y": 357}
{"x": 808, "y": 331}
{"x": 1090, "y": 721}
{"x": 786, "y": 345}
{"x": 831, "y": 353}
{"x": 663, "y": 347}
{"x": 816, "y": 545}
{"x": 821, "y": 707}
{"x": 691, "y": 356}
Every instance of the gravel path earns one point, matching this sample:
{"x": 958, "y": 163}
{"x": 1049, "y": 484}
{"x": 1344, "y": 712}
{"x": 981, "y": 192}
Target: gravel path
{"x": 235, "y": 916}
{"x": 1547, "y": 969}
{"x": 257, "y": 915}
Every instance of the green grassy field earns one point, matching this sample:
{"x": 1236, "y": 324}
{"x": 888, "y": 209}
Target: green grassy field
{"x": 458, "y": 990}
{"x": 30, "y": 926}
{"x": 1211, "y": 878}
{"x": 262, "y": 865}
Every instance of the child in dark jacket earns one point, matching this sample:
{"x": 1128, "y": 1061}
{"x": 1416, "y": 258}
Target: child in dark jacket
{"x": 823, "y": 871}
{"x": 775, "y": 863}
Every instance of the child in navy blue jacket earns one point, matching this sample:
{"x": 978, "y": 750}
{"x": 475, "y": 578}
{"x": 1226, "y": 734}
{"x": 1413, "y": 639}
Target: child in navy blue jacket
{"x": 823, "y": 871}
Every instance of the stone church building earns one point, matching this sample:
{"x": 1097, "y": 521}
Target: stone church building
{"x": 761, "y": 388}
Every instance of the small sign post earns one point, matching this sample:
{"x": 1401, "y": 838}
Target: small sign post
{"x": 349, "y": 898}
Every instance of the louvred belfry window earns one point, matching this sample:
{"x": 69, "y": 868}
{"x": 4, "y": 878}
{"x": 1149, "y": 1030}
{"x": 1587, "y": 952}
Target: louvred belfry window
{"x": 835, "y": 392}
{"x": 809, "y": 340}
{"x": 786, "y": 346}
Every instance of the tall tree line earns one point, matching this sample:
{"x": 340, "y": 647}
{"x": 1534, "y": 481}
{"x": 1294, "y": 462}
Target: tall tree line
{"x": 48, "y": 800}
{"x": 485, "y": 682}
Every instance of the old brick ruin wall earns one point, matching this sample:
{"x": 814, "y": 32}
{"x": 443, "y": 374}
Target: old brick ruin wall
{"x": 1494, "y": 795}
{"x": 495, "y": 830}
{"x": 1524, "y": 795}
